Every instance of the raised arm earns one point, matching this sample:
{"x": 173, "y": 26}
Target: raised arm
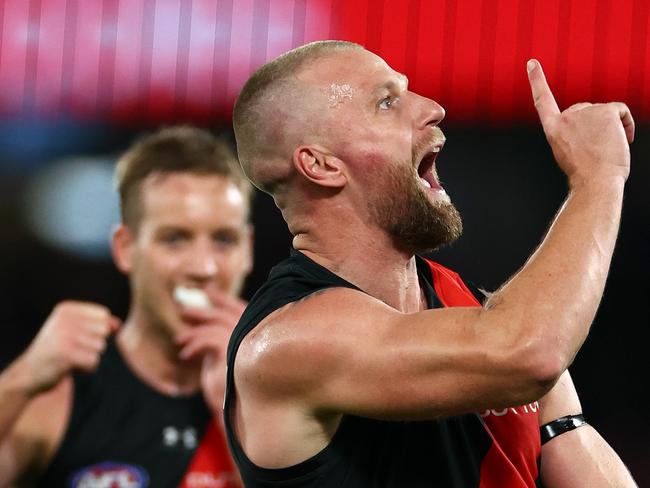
{"x": 566, "y": 275}
{"x": 369, "y": 359}
{"x": 72, "y": 338}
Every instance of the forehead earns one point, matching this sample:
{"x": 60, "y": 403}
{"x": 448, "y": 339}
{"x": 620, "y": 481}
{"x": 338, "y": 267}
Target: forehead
{"x": 185, "y": 198}
{"x": 357, "y": 68}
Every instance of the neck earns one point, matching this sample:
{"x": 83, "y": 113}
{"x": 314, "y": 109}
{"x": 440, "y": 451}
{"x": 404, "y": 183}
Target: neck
{"x": 361, "y": 254}
{"x": 153, "y": 357}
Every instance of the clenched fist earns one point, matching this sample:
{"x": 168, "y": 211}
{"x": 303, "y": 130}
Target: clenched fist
{"x": 72, "y": 338}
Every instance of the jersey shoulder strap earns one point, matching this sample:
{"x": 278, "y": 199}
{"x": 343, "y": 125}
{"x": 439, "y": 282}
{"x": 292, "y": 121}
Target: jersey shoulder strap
{"x": 451, "y": 289}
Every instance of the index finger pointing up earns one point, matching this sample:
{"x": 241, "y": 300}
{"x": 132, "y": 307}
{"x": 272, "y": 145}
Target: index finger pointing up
{"x": 544, "y": 100}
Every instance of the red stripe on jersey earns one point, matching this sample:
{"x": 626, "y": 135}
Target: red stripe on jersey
{"x": 515, "y": 432}
{"x": 512, "y": 459}
{"x": 211, "y": 465}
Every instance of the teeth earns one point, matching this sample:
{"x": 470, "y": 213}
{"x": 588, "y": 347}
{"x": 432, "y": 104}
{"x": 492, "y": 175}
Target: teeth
{"x": 436, "y": 149}
{"x": 425, "y": 183}
{"x": 191, "y": 297}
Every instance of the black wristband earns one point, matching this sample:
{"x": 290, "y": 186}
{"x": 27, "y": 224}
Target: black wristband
{"x": 560, "y": 426}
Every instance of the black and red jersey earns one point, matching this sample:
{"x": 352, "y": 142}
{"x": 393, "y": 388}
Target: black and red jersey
{"x": 492, "y": 449}
{"x": 124, "y": 434}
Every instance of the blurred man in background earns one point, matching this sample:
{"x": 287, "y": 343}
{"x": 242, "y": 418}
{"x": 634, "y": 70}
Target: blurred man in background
{"x": 139, "y": 404}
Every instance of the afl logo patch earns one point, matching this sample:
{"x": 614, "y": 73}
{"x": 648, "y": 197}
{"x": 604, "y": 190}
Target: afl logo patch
{"x": 110, "y": 475}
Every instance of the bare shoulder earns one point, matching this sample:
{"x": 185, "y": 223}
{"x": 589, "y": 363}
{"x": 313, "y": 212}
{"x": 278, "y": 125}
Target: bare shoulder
{"x": 343, "y": 351}
{"x": 297, "y": 345}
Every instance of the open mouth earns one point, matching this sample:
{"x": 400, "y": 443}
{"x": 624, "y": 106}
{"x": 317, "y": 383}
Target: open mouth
{"x": 427, "y": 168}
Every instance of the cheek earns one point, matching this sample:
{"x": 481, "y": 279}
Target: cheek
{"x": 374, "y": 172}
{"x": 234, "y": 268}
{"x": 377, "y": 154}
{"x": 151, "y": 269}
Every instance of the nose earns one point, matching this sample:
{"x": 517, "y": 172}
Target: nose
{"x": 201, "y": 264}
{"x": 431, "y": 113}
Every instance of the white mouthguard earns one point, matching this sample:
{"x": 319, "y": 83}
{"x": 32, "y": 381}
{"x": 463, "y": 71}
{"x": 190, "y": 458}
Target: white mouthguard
{"x": 191, "y": 297}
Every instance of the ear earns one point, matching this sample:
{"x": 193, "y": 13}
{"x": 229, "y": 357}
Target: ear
{"x": 319, "y": 166}
{"x": 122, "y": 247}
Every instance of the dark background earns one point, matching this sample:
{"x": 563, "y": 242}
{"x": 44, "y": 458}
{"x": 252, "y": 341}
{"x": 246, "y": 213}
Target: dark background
{"x": 67, "y": 90}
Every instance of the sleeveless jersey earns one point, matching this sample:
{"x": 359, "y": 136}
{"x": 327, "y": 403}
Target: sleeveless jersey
{"x": 122, "y": 433}
{"x": 492, "y": 449}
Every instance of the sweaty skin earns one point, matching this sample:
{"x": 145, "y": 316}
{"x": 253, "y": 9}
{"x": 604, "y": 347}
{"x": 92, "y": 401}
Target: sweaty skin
{"x": 337, "y": 93}
{"x": 379, "y": 354}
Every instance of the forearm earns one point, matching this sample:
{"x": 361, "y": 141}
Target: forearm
{"x": 582, "y": 458}
{"x": 15, "y": 394}
{"x": 551, "y": 302}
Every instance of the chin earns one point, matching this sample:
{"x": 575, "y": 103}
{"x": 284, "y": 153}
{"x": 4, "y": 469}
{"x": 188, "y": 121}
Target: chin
{"x": 429, "y": 227}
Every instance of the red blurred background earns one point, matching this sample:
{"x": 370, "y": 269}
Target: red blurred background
{"x": 133, "y": 61}
{"x": 81, "y": 79}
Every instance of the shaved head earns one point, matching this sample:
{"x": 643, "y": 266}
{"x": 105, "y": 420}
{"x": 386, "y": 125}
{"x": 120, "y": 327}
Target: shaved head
{"x": 272, "y": 114}
{"x": 333, "y": 133}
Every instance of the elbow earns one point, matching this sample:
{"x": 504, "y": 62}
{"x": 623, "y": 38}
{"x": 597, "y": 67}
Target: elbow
{"x": 545, "y": 373}
{"x": 541, "y": 369}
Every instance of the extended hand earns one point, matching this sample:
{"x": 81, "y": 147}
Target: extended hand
{"x": 589, "y": 141}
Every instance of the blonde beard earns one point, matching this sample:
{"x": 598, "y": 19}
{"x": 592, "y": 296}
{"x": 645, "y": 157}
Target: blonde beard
{"x": 401, "y": 207}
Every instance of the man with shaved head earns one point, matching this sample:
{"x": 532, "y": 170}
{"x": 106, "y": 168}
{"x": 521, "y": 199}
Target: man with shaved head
{"x": 361, "y": 364}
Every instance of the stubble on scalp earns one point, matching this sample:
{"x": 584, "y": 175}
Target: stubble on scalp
{"x": 273, "y": 92}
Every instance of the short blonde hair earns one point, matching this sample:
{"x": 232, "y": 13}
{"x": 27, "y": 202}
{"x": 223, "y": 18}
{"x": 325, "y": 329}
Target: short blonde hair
{"x": 177, "y": 149}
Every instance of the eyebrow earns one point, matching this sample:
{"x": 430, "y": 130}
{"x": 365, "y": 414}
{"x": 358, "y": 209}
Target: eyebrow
{"x": 391, "y": 84}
